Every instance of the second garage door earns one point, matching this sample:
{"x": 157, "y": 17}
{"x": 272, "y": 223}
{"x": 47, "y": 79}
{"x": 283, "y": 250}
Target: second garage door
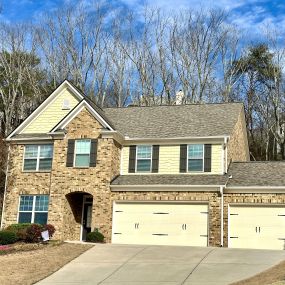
{"x": 261, "y": 227}
{"x": 160, "y": 224}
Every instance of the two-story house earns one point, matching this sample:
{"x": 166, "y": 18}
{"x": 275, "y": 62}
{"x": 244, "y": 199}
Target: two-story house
{"x": 166, "y": 175}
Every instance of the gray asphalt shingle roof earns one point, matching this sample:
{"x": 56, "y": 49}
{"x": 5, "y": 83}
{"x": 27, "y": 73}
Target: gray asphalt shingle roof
{"x": 265, "y": 173}
{"x": 197, "y": 120}
{"x": 243, "y": 174}
{"x": 170, "y": 179}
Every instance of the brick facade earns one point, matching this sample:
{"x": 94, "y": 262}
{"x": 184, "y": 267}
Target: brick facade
{"x": 66, "y": 185}
{"x": 238, "y": 145}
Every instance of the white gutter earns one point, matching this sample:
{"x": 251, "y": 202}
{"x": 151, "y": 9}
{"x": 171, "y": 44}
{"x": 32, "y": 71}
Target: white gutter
{"x": 164, "y": 188}
{"x": 29, "y": 139}
{"x": 222, "y": 215}
{"x": 49, "y": 136}
{"x": 255, "y": 189}
{"x": 129, "y": 140}
{"x": 114, "y": 135}
{"x": 177, "y": 138}
{"x": 5, "y": 188}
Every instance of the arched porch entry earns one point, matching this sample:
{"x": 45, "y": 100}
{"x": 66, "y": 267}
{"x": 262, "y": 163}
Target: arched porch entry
{"x": 78, "y": 215}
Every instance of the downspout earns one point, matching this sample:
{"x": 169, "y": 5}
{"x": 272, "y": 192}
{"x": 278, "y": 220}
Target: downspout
{"x": 5, "y": 187}
{"x": 222, "y": 215}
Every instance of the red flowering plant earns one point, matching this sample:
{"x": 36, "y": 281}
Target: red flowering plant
{"x": 50, "y": 228}
{"x": 33, "y": 233}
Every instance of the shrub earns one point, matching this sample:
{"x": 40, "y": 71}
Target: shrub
{"x": 50, "y": 228}
{"x": 33, "y": 233}
{"x": 30, "y": 232}
{"x": 19, "y": 229}
{"x": 95, "y": 236}
{"x": 7, "y": 237}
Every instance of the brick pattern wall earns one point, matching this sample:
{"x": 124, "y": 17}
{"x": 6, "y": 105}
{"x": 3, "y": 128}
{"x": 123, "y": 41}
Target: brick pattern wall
{"x": 21, "y": 183}
{"x": 65, "y": 209}
{"x": 238, "y": 145}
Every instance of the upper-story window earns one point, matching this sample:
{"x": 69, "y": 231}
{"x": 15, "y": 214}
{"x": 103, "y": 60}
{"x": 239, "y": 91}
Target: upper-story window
{"x": 144, "y": 158}
{"x": 195, "y": 157}
{"x": 38, "y": 157}
{"x": 82, "y": 153}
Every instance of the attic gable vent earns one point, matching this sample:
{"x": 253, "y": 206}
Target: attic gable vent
{"x": 66, "y": 104}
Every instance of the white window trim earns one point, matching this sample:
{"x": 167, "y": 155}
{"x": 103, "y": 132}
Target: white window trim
{"x": 203, "y": 158}
{"x": 74, "y": 151}
{"x": 144, "y": 158}
{"x": 37, "y": 158}
{"x": 33, "y": 209}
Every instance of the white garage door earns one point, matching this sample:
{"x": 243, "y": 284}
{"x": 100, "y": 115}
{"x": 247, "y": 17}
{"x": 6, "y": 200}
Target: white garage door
{"x": 260, "y": 227}
{"x": 160, "y": 224}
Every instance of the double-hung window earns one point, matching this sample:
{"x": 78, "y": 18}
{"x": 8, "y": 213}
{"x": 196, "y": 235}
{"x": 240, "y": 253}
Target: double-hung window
{"x": 33, "y": 209}
{"x": 38, "y": 157}
{"x": 144, "y": 156}
{"x": 195, "y": 157}
{"x": 82, "y": 153}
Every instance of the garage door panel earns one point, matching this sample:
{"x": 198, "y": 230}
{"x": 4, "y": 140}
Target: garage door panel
{"x": 260, "y": 227}
{"x": 160, "y": 223}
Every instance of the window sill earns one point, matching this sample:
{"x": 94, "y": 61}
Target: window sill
{"x": 81, "y": 167}
{"x": 36, "y": 171}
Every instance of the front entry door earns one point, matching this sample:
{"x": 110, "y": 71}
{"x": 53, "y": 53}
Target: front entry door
{"x": 87, "y": 217}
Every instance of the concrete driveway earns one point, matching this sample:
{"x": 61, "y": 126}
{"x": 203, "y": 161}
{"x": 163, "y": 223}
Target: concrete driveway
{"x": 157, "y": 265}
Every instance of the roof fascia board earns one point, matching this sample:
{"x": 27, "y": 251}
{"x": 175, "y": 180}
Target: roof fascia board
{"x": 117, "y": 136}
{"x": 43, "y": 106}
{"x": 76, "y": 111}
{"x": 33, "y": 140}
{"x": 166, "y": 188}
{"x": 169, "y": 141}
{"x": 49, "y": 136}
{"x": 254, "y": 189}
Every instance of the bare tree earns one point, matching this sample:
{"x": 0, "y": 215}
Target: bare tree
{"x": 196, "y": 42}
{"x": 20, "y": 74}
{"x": 229, "y": 50}
{"x": 72, "y": 43}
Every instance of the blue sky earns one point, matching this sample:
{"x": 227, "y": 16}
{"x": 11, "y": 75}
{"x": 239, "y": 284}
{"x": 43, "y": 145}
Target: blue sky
{"x": 248, "y": 15}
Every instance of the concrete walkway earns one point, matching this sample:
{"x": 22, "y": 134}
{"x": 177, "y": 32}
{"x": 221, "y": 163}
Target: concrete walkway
{"x": 157, "y": 265}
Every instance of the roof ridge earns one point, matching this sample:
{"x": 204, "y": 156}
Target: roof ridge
{"x": 180, "y": 105}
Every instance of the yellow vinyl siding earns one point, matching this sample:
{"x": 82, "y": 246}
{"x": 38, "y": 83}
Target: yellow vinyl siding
{"x": 169, "y": 159}
{"x": 216, "y": 164}
{"x": 125, "y": 160}
{"x": 51, "y": 115}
